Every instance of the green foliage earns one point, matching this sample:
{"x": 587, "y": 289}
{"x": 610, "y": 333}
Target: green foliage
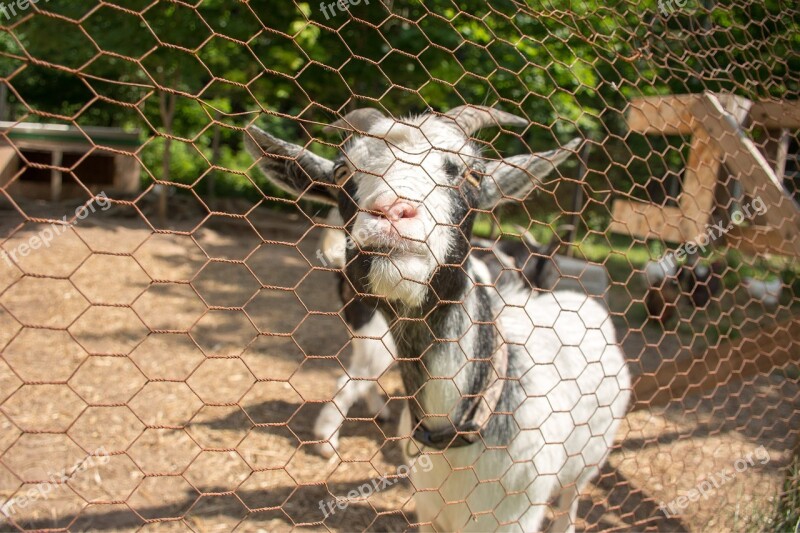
{"x": 120, "y": 63}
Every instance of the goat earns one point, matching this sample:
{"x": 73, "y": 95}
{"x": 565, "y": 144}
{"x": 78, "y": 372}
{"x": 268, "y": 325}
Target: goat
{"x": 515, "y": 396}
{"x": 371, "y": 356}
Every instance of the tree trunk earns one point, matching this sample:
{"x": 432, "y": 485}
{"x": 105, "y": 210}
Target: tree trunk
{"x": 4, "y": 110}
{"x": 215, "y": 154}
{"x": 166, "y": 103}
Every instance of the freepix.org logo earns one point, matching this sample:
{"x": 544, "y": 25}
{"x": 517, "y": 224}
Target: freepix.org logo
{"x": 55, "y": 480}
{"x": 714, "y": 481}
{"x": 43, "y": 238}
{"x": 12, "y": 9}
{"x": 366, "y": 490}
{"x": 338, "y": 6}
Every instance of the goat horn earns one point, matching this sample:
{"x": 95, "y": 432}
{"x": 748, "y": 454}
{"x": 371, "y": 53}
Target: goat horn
{"x": 471, "y": 118}
{"x": 360, "y": 119}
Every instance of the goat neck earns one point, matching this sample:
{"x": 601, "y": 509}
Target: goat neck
{"x": 455, "y": 366}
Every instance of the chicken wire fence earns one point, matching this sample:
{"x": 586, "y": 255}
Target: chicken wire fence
{"x": 176, "y": 343}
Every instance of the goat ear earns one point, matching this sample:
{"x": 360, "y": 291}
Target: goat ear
{"x": 513, "y": 178}
{"x": 290, "y": 167}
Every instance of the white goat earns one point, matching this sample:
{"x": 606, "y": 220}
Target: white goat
{"x": 371, "y": 357}
{"x": 517, "y": 396}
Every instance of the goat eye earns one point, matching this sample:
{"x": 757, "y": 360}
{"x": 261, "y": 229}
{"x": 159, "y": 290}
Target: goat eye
{"x": 473, "y": 178}
{"x": 340, "y": 174}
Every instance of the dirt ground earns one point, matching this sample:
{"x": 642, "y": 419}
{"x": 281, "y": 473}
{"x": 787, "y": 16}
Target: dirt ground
{"x": 202, "y": 380}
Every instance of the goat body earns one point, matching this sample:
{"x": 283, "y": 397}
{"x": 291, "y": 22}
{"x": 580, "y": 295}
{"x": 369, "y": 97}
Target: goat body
{"x": 566, "y": 387}
{"x": 408, "y": 193}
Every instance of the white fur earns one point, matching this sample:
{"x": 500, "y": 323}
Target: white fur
{"x": 373, "y": 349}
{"x": 577, "y": 388}
{"x": 333, "y": 243}
{"x": 767, "y": 292}
{"x": 657, "y": 271}
{"x": 574, "y": 379}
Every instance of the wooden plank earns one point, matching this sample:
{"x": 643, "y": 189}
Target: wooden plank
{"x": 65, "y": 134}
{"x": 126, "y": 174}
{"x": 9, "y": 163}
{"x": 702, "y": 170}
{"x": 758, "y": 240}
{"x": 649, "y": 221}
{"x": 662, "y": 115}
{"x": 745, "y": 161}
{"x": 672, "y": 114}
{"x": 700, "y": 182}
{"x": 667, "y": 115}
{"x": 777, "y": 114}
{"x": 776, "y": 150}
{"x": 757, "y": 352}
{"x": 56, "y": 178}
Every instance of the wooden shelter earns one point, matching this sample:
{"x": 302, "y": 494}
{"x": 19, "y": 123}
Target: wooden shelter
{"x": 716, "y": 124}
{"x": 719, "y": 141}
{"x": 59, "y": 156}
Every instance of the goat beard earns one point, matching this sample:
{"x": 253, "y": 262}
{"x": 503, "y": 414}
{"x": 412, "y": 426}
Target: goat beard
{"x": 397, "y": 276}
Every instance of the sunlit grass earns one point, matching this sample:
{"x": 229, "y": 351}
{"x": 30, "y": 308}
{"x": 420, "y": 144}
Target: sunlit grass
{"x": 783, "y": 514}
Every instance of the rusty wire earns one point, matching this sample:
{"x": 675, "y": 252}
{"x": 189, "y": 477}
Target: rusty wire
{"x": 197, "y": 350}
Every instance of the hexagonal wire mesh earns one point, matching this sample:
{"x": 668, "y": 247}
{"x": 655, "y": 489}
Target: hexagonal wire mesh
{"x": 181, "y": 350}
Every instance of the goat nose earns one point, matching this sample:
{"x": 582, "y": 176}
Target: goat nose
{"x": 396, "y": 211}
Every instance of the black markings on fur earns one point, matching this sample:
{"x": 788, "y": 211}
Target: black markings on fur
{"x": 532, "y": 262}
{"x": 357, "y": 270}
{"x": 502, "y": 428}
{"x": 358, "y": 311}
{"x": 467, "y": 191}
{"x": 452, "y": 169}
{"x": 347, "y": 204}
{"x": 485, "y": 340}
